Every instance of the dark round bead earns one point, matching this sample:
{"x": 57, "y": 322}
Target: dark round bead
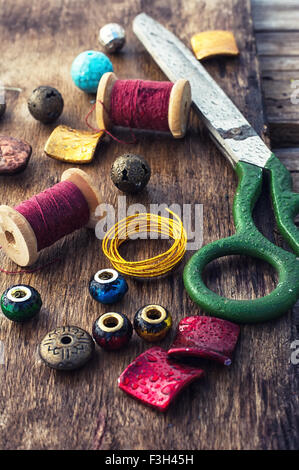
{"x": 66, "y": 348}
{"x": 107, "y": 286}
{"x": 45, "y": 104}
{"x": 130, "y": 173}
{"x": 2, "y": 109}
{"x": 20, "y": 303}
{"x": 112, "y": 330}
{"x": 152, "y": 322}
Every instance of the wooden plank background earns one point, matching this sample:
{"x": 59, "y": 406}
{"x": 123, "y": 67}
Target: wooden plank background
{"x": 250, "y": 405}
{"x": 276, "y": 24}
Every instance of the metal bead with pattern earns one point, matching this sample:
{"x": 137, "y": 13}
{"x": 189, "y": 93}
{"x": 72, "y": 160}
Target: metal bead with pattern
{"x": 66, "y": 348}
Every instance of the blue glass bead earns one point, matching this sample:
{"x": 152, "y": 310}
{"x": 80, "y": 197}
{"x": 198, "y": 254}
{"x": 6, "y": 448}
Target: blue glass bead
{"x": 88, "y": 68}
{"x": 107, "y": 286}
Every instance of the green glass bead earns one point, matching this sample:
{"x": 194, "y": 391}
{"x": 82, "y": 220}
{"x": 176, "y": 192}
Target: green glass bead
{"x": 20, "y": 303}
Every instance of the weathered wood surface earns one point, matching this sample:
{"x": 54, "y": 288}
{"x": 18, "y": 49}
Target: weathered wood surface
{"x": 276, "y": 23}
{"x": 251, "y": 405}
{"x": 277, "y": 37}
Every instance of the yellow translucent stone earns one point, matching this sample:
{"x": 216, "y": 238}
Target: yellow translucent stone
{"x": 71, "y": 145}
{"x": 213, "y": 43}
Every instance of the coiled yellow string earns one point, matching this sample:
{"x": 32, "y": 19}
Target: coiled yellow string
{"x": 146, "y": 223}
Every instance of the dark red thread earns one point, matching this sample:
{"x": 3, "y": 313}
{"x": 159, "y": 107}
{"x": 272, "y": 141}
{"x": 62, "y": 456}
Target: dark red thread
{"x": 32, "y": 270}
{"x": 55, "y": 212}
{"x": 140, "y": 104}
{"x": 105, "y": 130}
{"x": 137, "y": 104}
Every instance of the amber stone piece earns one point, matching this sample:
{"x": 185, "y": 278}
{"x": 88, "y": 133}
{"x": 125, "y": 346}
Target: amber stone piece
{"x": 71, "y": 145}
{"x": 214, "y": 43}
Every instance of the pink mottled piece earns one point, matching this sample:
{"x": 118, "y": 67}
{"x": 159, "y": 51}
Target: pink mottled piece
{"x": 207, "y": 337}
{"x": 155, "y": 380}
{"x": 14, "y": 155}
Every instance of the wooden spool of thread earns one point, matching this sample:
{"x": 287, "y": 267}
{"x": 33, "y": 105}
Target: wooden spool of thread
{"x": 161, "y": 106}
{"x": 26, "y": 229}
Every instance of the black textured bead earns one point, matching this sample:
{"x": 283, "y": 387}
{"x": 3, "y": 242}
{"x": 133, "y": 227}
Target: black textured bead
{"x": 45, "y": 104}
{"x": 130, "y": 173}
{"x": 2, "y": 109}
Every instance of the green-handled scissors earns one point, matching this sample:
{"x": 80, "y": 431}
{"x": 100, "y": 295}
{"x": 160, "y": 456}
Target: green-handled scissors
{"x": 250, "y": 158}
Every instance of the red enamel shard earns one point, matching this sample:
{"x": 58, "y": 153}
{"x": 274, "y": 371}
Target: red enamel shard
{"x": 207, "y": 337}
{"x": 155, "y": 380}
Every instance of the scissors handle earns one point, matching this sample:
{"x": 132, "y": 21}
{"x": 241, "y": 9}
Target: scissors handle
{"x": 285, "y": 202}
{"x": 249, "y": 241}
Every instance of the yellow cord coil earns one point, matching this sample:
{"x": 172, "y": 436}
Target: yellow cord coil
{"x": 146, "y": 223}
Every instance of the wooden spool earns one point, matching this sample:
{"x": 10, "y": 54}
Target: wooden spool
{"x": 178, "y": 111}
{"x": 17, "y": 237}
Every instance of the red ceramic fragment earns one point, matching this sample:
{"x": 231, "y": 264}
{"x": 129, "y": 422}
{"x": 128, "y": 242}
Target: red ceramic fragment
{"x": 156, "y": 380}
{"x": 207, "y": 337}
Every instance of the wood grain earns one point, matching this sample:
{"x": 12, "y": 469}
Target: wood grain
{"x": 275, "y": 15}
{"x": 277, "y": 35}
{"x": 251, "y": 405}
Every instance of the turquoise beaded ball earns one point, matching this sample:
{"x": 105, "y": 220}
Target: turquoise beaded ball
{"x": 88, "y": 69}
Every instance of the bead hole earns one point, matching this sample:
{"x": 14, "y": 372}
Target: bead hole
{"x": 105, "y": 276}
{"x": 66, "y": 340}
{"x": 18, "y": 294}
{"x": 110, "y": 322}
{"x": 153, "y": 314}
{"x": 9, "y": 238}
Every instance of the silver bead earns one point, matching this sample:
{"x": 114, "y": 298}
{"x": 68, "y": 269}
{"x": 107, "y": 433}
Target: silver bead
{"x": 112, "y": 37}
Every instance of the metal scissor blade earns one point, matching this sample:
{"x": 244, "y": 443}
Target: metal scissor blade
{"x": 229, "y": 128}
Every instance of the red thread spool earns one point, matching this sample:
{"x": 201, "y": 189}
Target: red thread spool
{"x": 47, "y": 217}
{"x": 161, "y": 106}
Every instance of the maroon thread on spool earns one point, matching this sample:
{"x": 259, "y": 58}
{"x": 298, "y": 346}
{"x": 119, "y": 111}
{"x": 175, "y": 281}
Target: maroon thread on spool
{"x": 140, "y": 104}
{"x": 56, "y": 212}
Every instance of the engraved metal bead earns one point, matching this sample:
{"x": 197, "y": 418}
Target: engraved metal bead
{"x": 66, "y": 348}
{"x": 112, "y": 37}
{"x": 130, "y": 173}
